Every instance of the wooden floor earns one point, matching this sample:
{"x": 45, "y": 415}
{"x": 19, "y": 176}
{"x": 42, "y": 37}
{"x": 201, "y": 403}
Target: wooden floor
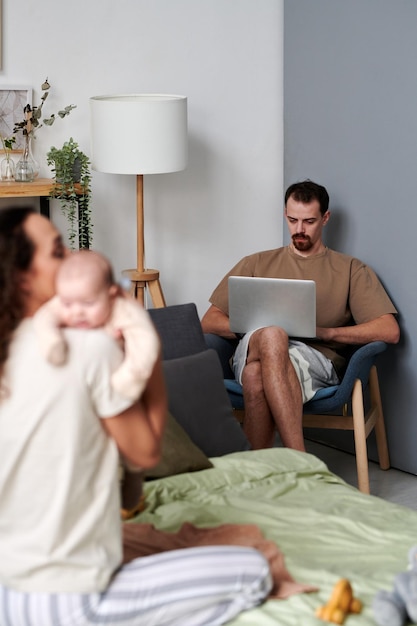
{"x": 392, "y": 485}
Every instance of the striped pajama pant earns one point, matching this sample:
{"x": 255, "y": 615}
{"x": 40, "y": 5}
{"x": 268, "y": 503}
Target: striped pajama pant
{"x": 193, "y": 587}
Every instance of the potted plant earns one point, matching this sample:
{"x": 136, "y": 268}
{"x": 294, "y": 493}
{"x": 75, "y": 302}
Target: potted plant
{"x": 71, "y": 169}
{"x": 27, "y": 167}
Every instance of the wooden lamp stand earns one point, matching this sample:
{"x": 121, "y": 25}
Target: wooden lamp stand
{"x": 140, "y": 277}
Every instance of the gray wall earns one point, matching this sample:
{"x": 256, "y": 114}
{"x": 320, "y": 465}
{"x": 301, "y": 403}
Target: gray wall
{"x": 350, "y": 123}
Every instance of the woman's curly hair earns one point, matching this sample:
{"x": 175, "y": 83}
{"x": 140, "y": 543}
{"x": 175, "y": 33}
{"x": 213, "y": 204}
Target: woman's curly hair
{"x": 16, "y": 254}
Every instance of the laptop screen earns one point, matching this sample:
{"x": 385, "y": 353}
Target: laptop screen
{"x": 258, "y": 302}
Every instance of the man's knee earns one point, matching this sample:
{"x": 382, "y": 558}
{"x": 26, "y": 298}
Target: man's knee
{"x": 269, "y": 339}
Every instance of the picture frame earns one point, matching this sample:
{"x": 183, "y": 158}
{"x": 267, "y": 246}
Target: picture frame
{"x": 12, "y": 102}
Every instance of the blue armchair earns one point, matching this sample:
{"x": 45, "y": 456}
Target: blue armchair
{"x": 340, "y": 407}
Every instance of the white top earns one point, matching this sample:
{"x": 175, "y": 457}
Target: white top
{"x": 59, "y": 494}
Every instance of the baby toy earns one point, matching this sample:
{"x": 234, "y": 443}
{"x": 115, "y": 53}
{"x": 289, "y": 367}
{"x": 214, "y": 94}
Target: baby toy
{"x": 397, "y": 607}
{"x": 341, "y": 603}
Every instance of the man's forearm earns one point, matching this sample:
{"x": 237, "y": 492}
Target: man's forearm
{"x": 384, "y": 328}
{"x": 217, "y": 322}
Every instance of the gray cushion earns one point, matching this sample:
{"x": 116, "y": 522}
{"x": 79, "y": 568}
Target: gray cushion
{"x": 180, "y": 330}
{"x": 199, "y": 402}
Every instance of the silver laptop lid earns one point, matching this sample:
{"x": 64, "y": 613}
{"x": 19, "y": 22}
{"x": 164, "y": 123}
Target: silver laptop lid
{"x": 259, "y": 302}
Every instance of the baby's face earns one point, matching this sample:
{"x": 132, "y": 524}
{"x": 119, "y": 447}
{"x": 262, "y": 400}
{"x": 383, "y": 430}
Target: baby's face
{"x": 83, "y": 304}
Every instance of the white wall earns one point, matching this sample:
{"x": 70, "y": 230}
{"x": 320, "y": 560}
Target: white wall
{"x": 226, "y": 56}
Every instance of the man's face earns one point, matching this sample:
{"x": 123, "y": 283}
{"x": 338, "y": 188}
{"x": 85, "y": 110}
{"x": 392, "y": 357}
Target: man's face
{"x": 305, "y": 225}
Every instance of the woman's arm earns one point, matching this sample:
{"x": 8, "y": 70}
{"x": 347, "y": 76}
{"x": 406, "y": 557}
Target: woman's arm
{"x": 138, "y": 430}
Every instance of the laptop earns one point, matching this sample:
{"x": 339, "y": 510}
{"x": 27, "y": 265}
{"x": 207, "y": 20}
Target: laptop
{"x": 258, "y": 302}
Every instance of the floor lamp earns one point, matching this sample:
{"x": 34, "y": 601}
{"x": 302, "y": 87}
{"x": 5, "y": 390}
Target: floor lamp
{"x": 139, "y": 134}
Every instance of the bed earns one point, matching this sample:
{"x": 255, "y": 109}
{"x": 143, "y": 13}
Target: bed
{"x": 326, "y": 529}
{"x": 208, "y": 476}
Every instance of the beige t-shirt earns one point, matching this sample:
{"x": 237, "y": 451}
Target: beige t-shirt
{"x": 59, "y": 506}
{"x": 348, "y": 291}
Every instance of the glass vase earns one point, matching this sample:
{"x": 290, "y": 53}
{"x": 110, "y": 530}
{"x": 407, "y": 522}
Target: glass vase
{"x": 27, "y": 168}
{"x": 7, "y": 169}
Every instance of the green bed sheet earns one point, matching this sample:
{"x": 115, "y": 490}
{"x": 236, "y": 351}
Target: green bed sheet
{"x": 326, "y": 529}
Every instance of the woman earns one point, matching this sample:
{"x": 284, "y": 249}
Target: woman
{"x": 60, "y": 534}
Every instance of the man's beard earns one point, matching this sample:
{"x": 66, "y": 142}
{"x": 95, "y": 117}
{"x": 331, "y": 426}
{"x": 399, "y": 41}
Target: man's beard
{"x": 301, "y": 242}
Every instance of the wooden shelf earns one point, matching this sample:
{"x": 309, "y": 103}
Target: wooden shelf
{"x": 39, "y": 188}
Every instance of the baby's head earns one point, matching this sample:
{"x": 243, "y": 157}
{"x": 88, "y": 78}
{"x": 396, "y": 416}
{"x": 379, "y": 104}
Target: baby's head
{"x": 86, "y": 290}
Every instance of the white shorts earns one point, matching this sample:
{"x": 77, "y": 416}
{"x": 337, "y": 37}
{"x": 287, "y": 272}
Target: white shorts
{"x": 313, "y": 369}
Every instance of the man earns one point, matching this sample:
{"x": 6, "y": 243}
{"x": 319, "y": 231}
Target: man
{"x": 279, "y": 375}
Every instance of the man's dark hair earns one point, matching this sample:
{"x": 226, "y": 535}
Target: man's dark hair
{"x": 306, "y": 192}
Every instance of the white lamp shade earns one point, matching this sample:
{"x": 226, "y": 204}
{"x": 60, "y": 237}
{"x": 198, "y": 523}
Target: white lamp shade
{"x": 139, "y": 133}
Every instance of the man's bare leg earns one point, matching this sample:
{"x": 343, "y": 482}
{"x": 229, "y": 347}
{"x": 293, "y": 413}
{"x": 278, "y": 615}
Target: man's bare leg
{"x": 277, "y": 382}
{"x": 258, "y": 424}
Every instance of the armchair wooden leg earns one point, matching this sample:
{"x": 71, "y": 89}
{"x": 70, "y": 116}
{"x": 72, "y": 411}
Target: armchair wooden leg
{"x": 380, "y": 433}
{"x": 360, "y": 438}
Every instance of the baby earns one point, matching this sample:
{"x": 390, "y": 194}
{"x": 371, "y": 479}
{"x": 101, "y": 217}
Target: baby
{"x": 88, "y": 297}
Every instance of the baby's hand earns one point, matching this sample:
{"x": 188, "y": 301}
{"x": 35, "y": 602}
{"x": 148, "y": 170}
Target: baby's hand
{"x": 117, "y": 335}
